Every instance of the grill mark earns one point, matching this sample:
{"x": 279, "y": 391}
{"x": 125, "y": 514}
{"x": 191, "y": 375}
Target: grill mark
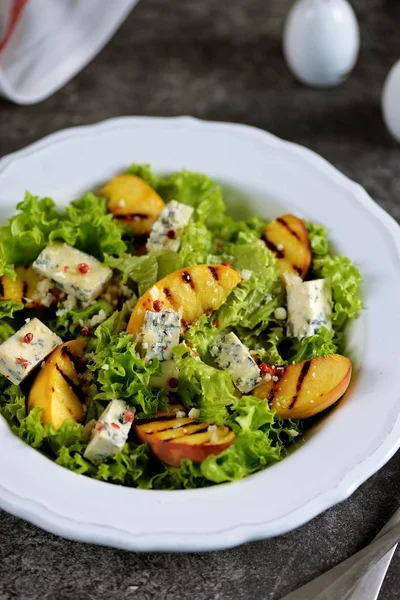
{"x": 24, "y": 292}
{"x": 214, "y": 273}
{"x": 131, "y": 217}
{"x": 74, "y": 387}
{"x": 298, "y": 270}
{"x": 167, "y": 292}
{"x": 271, "y": 394}
{"x": 187, "y": 279}
{"x": 304, "y": 370}
{"x": 204, "y": 428}
{"x": 163, "y": 419}
{"x": 287, "y": 226}
{"x": 274, "y": 249}
{"x": 77, "y": 363}
{"x": 1, "y": 287}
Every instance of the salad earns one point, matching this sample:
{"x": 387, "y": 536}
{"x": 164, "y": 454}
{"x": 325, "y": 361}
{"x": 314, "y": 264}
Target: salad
{"x": 149, "y": 339}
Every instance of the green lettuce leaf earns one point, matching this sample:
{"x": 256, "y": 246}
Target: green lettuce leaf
{"x": 345, "y": 280}
{"x": 344, "y": 276}
{"x": 6, "y": 330}
{"x": 67, "y": 444}
{"x": 129, "y": 467}
{"x": 142, "y": 270}
{"x": 127, "y": 375}
{"x": 193, "y": 189}
{"x": 267, "y": 345}
{"x": 203, "y": 386}
{"x": 261, "y": 440}
{"x": 89, "y": 227}
{"x": 67, "y": 324}
{"x": 319, "y": 240}
{"x": 251, "y": 304}
{"x": 188, "y": 476}
{"x": 320, "y": 344}
{"x": 146, "y": 172}
{"x": 27, "y": 233}
{"x": 8, "y": 325}
{"x": 9, "y": 307}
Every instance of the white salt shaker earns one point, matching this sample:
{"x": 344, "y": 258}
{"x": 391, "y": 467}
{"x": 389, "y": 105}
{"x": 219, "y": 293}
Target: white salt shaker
{"x": 321, "y": 40}
{"x": 391, "y": 101}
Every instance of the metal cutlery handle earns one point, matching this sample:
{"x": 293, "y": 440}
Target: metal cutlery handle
{"x": 370, "y": 585}
{"x": 339, "y": 582}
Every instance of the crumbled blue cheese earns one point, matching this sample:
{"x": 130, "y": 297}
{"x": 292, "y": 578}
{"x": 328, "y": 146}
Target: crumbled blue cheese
{"x": 246, "y": 274}
{"x": 309, "y": 307}
{"x": 110, "y": 433}
{"x": 280, "y": 313}
{"x": 167, "y": 231}
{"x": 194, "y": 413}
{"x": 233, "y": 356}
{"x": 75, "y": 272}
{"x": 160, "y": 333}
{"x": 291, "y": 279}
{"x": 24, "y": 350}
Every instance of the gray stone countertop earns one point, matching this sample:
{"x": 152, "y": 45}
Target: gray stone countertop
{"x": 220, "y": 61}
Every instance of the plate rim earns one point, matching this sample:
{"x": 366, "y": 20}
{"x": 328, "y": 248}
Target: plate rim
{"x": 240, "y": 533}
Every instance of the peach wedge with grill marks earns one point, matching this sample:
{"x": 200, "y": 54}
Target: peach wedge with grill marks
{"x": 173, "y": 439}
{"x": 307, "y": 388}
{"x": 196, "y": 290}
{"x": 133, "y": 202}
{"x": 57, "y": 388}
{"x": 287, "y": 237}
{"x": 24, "y": 288}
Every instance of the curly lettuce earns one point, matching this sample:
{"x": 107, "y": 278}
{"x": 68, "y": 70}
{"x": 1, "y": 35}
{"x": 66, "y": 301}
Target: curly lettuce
{"x": 203, "y": 386}
{"x": 116, "y": 370}
{"x": 250, "y": 306}
{"x": 141, "y": 270}
{"x": 88, "y": 226}
{"x": 126, "y": 376}
{"x": 27, "y": 233}
{"x": 68, "y": 323}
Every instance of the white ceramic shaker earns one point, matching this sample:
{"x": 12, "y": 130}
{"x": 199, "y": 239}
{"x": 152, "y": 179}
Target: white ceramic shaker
{"x": 391, "y": 101}
{"x": 321, "y": 40}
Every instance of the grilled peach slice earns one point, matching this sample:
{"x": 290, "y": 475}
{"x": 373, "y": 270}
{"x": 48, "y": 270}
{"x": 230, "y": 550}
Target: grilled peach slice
{"x": 173, "y": 439}
{"x": 196, "y": 290}
{"x": 56, "y": 388}
{"x": 307, "y": 388}
{"x": 287, "y": 237}
{"x": 24, "y": 286}
{"x": 133, "y": 202}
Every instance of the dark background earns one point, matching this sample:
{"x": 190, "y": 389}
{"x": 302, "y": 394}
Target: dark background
{"x": 221, "y": 61}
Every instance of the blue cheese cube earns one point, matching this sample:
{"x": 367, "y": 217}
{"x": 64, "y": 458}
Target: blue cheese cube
{"x": 309, "y": 307}
{"x": 160, "y": 333}
{"x": 167, "y": 231}
{"x": 24, "y": 350}
{"x": 110, "y": 432}
{"x": 233, "y": 356}
{"x": 75, "y": 272}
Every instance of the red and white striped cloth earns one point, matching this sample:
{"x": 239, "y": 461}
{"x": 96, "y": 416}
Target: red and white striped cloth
{"x": 44, "y": 43}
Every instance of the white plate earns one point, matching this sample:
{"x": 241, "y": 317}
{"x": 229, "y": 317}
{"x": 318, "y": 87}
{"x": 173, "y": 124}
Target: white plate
{"x": 348, "y": 447}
